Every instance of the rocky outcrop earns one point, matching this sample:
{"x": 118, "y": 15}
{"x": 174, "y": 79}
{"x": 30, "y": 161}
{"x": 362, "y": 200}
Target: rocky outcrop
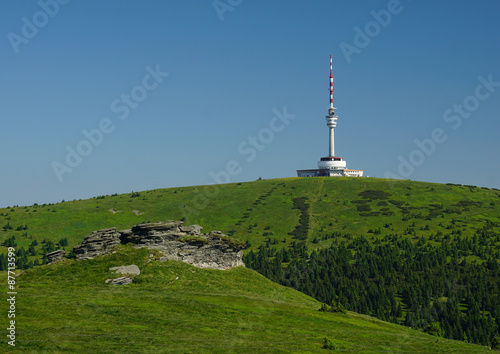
{"x": 191, "y": 229}
{"x": 119, "y": 281}
{"x": 55, "y": 256}
{"x": 213, "y": 250}
{"x": 173, "y": 239}
{"x": 129, "y": 273}
{"x": 97, "y": 243}
{"x": 126, "y": 270}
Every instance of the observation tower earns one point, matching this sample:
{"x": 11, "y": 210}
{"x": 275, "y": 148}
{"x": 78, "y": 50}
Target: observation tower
{"x": 331, "y": 165}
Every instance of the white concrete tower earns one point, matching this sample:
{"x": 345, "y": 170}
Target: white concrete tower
{"x": 331, "y": 165}
{"x": 334, "y": 165}
{"x": 331, "y": 118}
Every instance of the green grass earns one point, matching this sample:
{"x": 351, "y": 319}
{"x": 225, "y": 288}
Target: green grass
{"x": 67, "y": 306}
{"x": 175, "y": 307}
{"x": 248, "y": 210}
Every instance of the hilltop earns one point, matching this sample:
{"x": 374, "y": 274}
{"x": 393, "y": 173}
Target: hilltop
{"x": 174, "y": 307}
{"x": 412, "y": 253}
{"x": 254, "y": 211}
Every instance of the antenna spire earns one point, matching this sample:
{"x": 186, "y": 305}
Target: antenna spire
{"x": 331, "y": 83}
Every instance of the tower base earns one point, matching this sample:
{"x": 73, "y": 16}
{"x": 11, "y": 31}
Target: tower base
{"x": 331, "y": 166}
{"x": 323, "y": 172}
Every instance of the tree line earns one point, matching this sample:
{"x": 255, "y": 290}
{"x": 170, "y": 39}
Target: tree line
{"x": 454, "y": 284}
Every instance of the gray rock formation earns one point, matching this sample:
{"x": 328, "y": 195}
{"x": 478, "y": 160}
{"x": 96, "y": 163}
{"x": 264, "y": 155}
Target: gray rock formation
{"x": 97, "y": 243}
{"x": 214, "y": 250}
{"x": 130, "y": 270}
{"x": 55, "y": 256}
{"x": 119, "y": 281}
{"x": 174, "y": 240}
{"x": 191, "y": 229}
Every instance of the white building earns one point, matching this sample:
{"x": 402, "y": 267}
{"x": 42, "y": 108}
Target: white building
{"x": 331, "y": 166}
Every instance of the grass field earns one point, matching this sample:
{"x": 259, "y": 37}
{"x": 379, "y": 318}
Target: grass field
{"x": 174, "y": 307}
{"x": 257, "y": 210}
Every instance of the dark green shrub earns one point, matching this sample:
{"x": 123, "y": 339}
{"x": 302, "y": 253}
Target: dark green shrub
{"x": 495, "y": 343}
{"x": 434, "y": 329}
{"x": 328, "y": 344}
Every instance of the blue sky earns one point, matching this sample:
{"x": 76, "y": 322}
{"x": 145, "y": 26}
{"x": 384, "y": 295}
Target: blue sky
{"x": 173, "y": 93}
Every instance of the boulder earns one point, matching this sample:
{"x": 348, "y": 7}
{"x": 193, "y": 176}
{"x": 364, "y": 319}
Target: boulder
{"x": 97, "y": 243}
{"x": 152, "y": 233}
{"x": 130, "y": 270}
{"x": 119, "y": 281}
{"x": 55, "y": 256}
{"x": 159, "y": 227}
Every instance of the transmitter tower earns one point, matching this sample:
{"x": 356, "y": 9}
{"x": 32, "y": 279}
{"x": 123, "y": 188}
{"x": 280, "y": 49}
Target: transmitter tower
{"x": 331, "y": 165}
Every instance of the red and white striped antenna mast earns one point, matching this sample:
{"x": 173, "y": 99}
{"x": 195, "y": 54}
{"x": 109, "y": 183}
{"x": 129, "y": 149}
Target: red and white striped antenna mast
{"x": 331, "y": 83}
{"x": 331, "y": 118}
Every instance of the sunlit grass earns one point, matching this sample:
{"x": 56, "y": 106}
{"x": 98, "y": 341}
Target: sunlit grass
{"x": 175, "y": 307}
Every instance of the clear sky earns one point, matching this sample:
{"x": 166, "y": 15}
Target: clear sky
{"x": 103, "y": 97}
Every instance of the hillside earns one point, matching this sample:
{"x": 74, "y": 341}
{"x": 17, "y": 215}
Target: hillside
{"x": 407, "y": 252}
{"x": 256, "y": 210}
{"x": 173, "y": 307}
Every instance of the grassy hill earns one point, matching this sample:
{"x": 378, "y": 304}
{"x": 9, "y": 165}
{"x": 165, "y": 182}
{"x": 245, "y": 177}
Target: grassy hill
{"x": 410, "y": 252}
{"x": 256, "y": 210}
{"x": 174, "y": 307}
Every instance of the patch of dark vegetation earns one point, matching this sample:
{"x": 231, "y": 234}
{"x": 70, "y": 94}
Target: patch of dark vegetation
{"x": 374, "y": 194}
{"x": 467, "y": 203}
{"x": 335, "y": 234}
{"x": 328, "y": 344}
{"x": 363, "y": 207}
{"x": 435, "y": 210}
{"x": 272, "y": 241}
{"x": 334, "y": 308}
{"x": 10, "y": 242}
{"x": 373, "y": 213}
{"x": 397, "y": 203}
{"x": 302, "y": 229}
{"x": 452, "y": 211}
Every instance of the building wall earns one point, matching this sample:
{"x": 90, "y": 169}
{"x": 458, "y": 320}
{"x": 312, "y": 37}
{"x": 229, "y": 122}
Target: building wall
{"x": 353, "y": 173}
{"x": 330, "y": 173}
{"x": 308, "y": 173}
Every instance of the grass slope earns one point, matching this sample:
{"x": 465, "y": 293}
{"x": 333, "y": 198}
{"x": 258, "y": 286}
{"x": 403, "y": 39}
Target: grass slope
{"x": 257, "y": 210}
{"x": 174, "y": 307}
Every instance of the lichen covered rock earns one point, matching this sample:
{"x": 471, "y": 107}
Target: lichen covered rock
{"x": 97, "y": 243}
{"x": 55, "y": 256}
{"x": 174, "y": 241}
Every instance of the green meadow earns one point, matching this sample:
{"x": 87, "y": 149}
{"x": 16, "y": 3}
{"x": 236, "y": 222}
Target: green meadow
{"x": 174, "y": 307}
{"x": 253, "y": 211}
